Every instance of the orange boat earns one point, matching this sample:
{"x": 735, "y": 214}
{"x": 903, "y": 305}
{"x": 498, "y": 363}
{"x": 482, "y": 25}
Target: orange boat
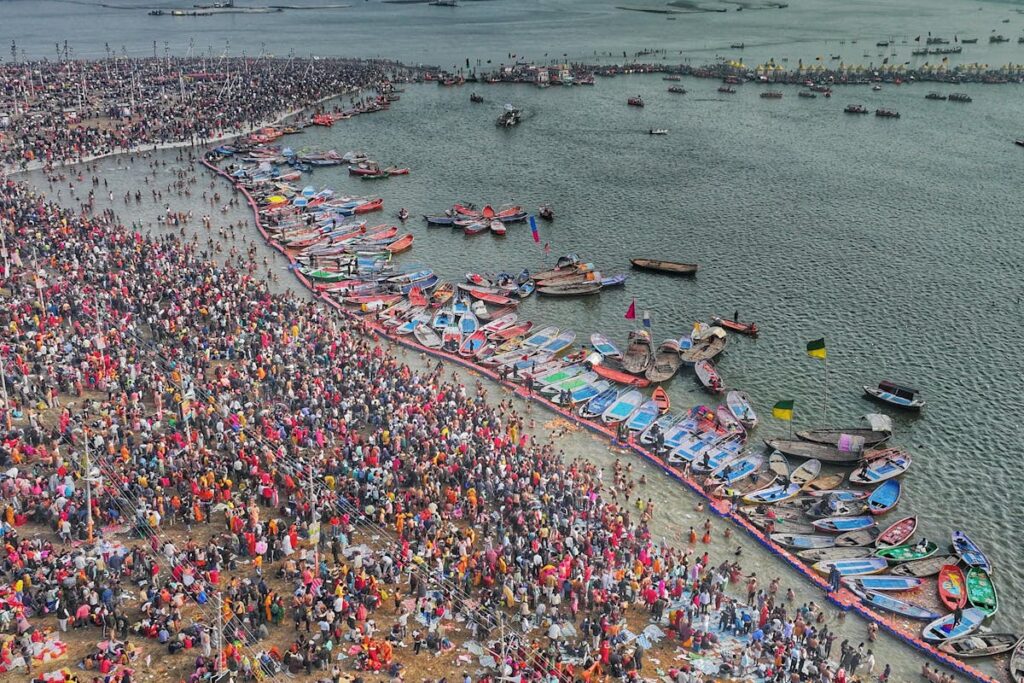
{"x": 660, "y": 396}
{"x": 375, "y": 205}
{"x": 749, "y": 329}
{"x": 621, "y": 377}
{"x": 403, "y": 243}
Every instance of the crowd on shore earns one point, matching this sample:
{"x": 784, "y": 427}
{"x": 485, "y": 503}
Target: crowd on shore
{"x": 60, "y": 112}
{"x": 285, "y": 468}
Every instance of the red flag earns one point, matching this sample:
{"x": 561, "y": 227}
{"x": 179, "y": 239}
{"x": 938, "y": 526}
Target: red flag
{"x": 631, "y": 313}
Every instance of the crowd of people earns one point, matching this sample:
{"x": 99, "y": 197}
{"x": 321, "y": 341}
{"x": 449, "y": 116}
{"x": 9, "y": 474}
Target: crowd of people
{"x": 255, "y": 481}
{"x": 255, "y": 484}
{"x": 59, "y": 112}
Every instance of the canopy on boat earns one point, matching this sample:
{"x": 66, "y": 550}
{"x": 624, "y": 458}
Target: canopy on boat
{"x": 879, "y": 422}
{"x": 276, "y": 199}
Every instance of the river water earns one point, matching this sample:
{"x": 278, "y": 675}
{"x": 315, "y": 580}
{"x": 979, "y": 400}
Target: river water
{"x": 896, "y": 240}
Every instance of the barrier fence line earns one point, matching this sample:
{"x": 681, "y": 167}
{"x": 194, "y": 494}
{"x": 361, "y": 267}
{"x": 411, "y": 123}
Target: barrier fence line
{"x": 843, "y": 598}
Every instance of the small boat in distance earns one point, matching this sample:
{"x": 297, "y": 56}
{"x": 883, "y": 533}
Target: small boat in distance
{"x": 510, "y": 117}
{"x": 635, "y": 101}
{"x": 749, "y": 329}
{"x": 896, "y": 394}
{"x": 675, "y": 89}
{"x": 887, "y": 113}
{"x": 668, "y": 267}
{"x": 856, "y": 109}
{"x": 476, "y": 98}
{"x": 727, "y": 89}
{"x": 658, "y": 131}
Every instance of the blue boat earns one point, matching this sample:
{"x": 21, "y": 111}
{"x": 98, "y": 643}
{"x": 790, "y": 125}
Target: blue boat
{"x": 604, "y": 346}
{"x": 526, "y": 289}
{"x": 736, "y": 470}
{"x": 538, "y": 339}
{"x": 614, "y": 281}
{"x": 623, "y": 407}
{"x": 439, "y": 220}
{"x": 587, "y": 392}
{"x": 664, "y": 424}
{"x": 839, "y": 525}
{"x": 884, "y": 582}
{"x": 851, "y": 567}
{"x": 885, "y": 497}
{"x": 600, "y": 403}
{"x": 442, "y": 319}
{"x": 942, "y": 629}
{"x": 468, "y": 324}
{"x": 891, "y": 604}
{"x": 968, "y": 551}
{"x": 896, "y": 395}
{"x": 772, "y": 494}
{"x": 644, "y": 416}
{"x": 723, "y": 451}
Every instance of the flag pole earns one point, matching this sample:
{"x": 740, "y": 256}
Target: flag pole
{"x": 826, "y": 390}
{"x": 791, "y": 416}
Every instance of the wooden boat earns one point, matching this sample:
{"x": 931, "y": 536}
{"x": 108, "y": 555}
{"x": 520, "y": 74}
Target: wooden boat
{"x": 898, "y": 532}
{"x": 500, "y": 323}
{"x": 923, "y": 568}
{"x": 1017, "y": 658}
{"x": 885, "y": 497}
{"x": 623, "y": 407}
{"x": 839, "y": 525}
{"x": 426, "y": 335}
{"x": 895, "y": 394}
{"x": 614, "y": 375}
{"x": 831, "y": 437}
{"x": 881, "y": 469}
{"x": 727, "y": 421}
{"x": 734, "y": 470}
{"x": 980, "y": 645}
{"x": 708, "y": 376}
{"x": 803, "y": 541}
{"x": 568, "y": 386}
{"x": 740, "y": 407}
{"x": 472, "y": 343}
{"x": 905, "y": 609}
{"x": 824, "y": 507}
{"x": 952, "y": 586}
{"x": 846, "y": 495}
{"x": 805, "y": 473}
{"x": 908, "y": 552}
{"x": 778, "y": 464}
{"x": 969, "y": 552}
{"x": 639, "y": 353}
{"x": 942, "y": 629}
{"x": 497, "y": 227}
{"x": 824, "y": 482}
{"x": 580, "y": 289}
{"x": 451, "y": 338}
{"x": 853, "y": 567}
{"x": 660, "y": 397}
{"x": 490, "y": 297}
{"x": 776, "y": 493}
{"x": 666, "y": 362}
{"x": 981, "y": 592}
{"x": 817, "y": 451}
{"x": 604, "y": 346}
{"x": 705, "y": 348}
{"x": 861, "y": 538}
{"x": 663, "y": 424}
{"x": 403, "y": 243}
{"x": 749, "y": 329}
{"x": 826, "y": 554}
{"x": 883, "y": 582}
{"x": 585, "y": 393}
{"x": 561, "y": 373}
{"x": 668, "y": 267}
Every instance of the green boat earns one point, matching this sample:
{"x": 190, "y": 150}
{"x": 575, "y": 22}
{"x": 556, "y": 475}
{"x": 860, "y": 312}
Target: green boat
{"x": 325, "y": 275}
{"x": 908, "y": 552}
{"x": 981, "y": 592}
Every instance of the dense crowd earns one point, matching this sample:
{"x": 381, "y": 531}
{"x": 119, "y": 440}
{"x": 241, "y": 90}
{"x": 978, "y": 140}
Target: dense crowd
{"x": 292, "y": 478}
{"x": 60, "y": 112}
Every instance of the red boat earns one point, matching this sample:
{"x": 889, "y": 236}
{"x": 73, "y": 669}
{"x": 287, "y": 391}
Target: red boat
{"x": 660, "y": 396}
{"x": 323, "y": 120}
{"x": 363, "y": 170}
{"x": 375, "y": 205}
{"x": 749, "y": 329}
{"x": 417, "y": 297}
{"x": 952, "y": 586}
{"x": 620, "y": 376}
{"x": 490, "y": 298}
{"x": 897, "y": 533}
{"x": 403, "y": 243}
{"x": 511, "y": 332}
{"x": 397, "y": 171}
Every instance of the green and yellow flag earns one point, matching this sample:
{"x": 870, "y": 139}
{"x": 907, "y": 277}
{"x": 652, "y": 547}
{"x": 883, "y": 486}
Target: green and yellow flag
{"x": 783, "y": 410}
{"x": 816, "y": 348}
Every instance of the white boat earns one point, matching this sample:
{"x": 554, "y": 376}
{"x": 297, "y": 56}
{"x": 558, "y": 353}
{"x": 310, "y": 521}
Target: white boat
{"x": 604, "y": 346}
{"x": 623, "y": 407}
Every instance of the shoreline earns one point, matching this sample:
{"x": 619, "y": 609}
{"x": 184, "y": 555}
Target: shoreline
{"x": 843, "y": 599}
{"x": 36, "y": 165}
